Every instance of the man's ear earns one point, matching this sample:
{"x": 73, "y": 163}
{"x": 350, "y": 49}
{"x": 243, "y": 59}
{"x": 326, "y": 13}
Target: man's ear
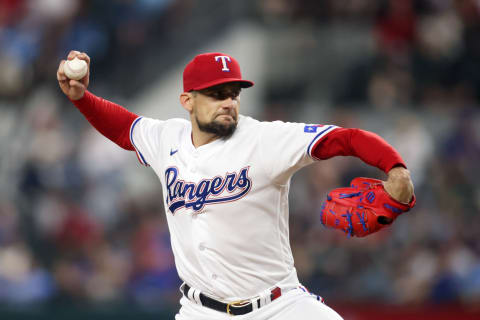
{"x": 186, "y": 99}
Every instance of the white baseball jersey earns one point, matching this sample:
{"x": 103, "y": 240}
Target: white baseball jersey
{"x": 227, "y": 201}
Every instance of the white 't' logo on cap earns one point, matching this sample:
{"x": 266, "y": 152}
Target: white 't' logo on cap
{"x": 224, "y": 62}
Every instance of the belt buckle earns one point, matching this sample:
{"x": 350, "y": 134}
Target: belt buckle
{"x": 239, "y": 303}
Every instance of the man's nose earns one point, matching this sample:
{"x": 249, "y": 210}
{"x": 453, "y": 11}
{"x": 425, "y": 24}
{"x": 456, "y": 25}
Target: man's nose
{"x": 228, "y": 103}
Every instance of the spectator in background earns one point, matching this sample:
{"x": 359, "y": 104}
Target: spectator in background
{"x": 435, "y": 66}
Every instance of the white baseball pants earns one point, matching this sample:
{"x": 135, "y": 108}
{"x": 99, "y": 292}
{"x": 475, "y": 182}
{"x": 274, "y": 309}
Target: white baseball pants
{"x": 295, "y": 304}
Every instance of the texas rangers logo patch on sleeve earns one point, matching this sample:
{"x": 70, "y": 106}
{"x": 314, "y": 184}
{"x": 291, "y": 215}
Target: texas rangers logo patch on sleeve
{"x": 312, "y": 128}
{"x": 183, "y": 194}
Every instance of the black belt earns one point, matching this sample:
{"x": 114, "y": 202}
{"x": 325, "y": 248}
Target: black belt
{"x": 235, "y": 308}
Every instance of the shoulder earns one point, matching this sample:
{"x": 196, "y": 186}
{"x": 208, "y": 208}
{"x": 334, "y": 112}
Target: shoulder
{"x": 277, "y": 127}
{"x": 178, "y": 123}
{"x": 249, "y": 122}
{"x": 144, "y": 126}
{"x": 249, "y": 127}
{"x": 267, "y": 131}
{"x": 170, "y": 123}
{"x": 271, "y": 127}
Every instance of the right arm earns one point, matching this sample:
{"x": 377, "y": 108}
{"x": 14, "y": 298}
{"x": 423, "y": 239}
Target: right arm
{"x": 373, "y": 150}
{"x": 110, "y": 119}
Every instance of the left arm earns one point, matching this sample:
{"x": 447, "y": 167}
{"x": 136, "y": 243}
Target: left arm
{"x": 373, "y": 150}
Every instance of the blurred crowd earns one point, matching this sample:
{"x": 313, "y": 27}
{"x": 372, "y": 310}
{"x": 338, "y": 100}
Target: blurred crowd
{"x": 35, "y": 34}
{"x": 410, "y": 71}
{"x": 71, "y": 232}
{"x": 390, "y": 53}
{"x": 68, "y": 232}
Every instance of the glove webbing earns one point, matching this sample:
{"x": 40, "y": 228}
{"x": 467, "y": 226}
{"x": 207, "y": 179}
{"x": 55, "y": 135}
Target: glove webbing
{"x": 348, "y": 215}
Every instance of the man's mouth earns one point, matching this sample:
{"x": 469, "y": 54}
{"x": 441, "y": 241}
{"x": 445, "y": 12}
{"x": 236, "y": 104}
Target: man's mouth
{"x": 226, "y": 115}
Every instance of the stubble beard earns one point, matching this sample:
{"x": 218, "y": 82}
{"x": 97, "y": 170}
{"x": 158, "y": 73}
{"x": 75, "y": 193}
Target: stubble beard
{"x": 223, "y": 130}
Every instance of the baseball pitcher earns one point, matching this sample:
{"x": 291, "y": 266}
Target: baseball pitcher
{"x": 225, "y": 180}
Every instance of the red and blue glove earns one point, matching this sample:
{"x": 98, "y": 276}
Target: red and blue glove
{"x": 363, "y": 208}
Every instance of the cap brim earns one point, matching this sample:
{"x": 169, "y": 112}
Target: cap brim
{"x": 243, "y": 83}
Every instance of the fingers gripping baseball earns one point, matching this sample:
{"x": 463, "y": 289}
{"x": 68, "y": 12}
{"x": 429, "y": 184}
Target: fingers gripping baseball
{"x": 73, "y": 89}
{"x": 363, "y": 208}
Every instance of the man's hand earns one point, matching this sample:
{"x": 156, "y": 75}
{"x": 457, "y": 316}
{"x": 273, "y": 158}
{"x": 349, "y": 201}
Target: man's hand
{"x": 399, "y": 184}
{"x": 73, "y": 89}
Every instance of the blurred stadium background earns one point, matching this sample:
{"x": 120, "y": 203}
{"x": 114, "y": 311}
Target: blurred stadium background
{"x": 82, "y": 228}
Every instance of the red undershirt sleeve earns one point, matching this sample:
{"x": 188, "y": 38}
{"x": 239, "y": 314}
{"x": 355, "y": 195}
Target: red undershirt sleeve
{"x": 367, "y": 146}
{"x": 110, "y": 119}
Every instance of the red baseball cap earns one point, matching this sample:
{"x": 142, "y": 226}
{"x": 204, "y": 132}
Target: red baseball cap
{"x": 209, "y": 69}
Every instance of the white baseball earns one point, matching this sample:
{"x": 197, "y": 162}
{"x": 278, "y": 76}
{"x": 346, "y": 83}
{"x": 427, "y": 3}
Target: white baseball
{"x": 75, "y": 69}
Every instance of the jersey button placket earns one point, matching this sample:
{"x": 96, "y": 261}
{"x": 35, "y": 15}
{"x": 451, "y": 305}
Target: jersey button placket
{"x": 193, "y": 164}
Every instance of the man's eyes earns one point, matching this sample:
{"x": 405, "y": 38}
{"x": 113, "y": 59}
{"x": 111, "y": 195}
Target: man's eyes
{"x": 220, "y": 95}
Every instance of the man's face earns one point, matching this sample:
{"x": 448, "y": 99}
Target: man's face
{"x": 216, "y": 109}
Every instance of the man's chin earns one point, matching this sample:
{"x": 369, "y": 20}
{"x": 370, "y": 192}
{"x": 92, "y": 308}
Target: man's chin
{"x": 220, "y": 128}
{"x": 226, "y": 128}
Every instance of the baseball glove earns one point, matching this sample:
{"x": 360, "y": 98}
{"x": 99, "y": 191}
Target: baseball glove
{"x": 362, "y": 209}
